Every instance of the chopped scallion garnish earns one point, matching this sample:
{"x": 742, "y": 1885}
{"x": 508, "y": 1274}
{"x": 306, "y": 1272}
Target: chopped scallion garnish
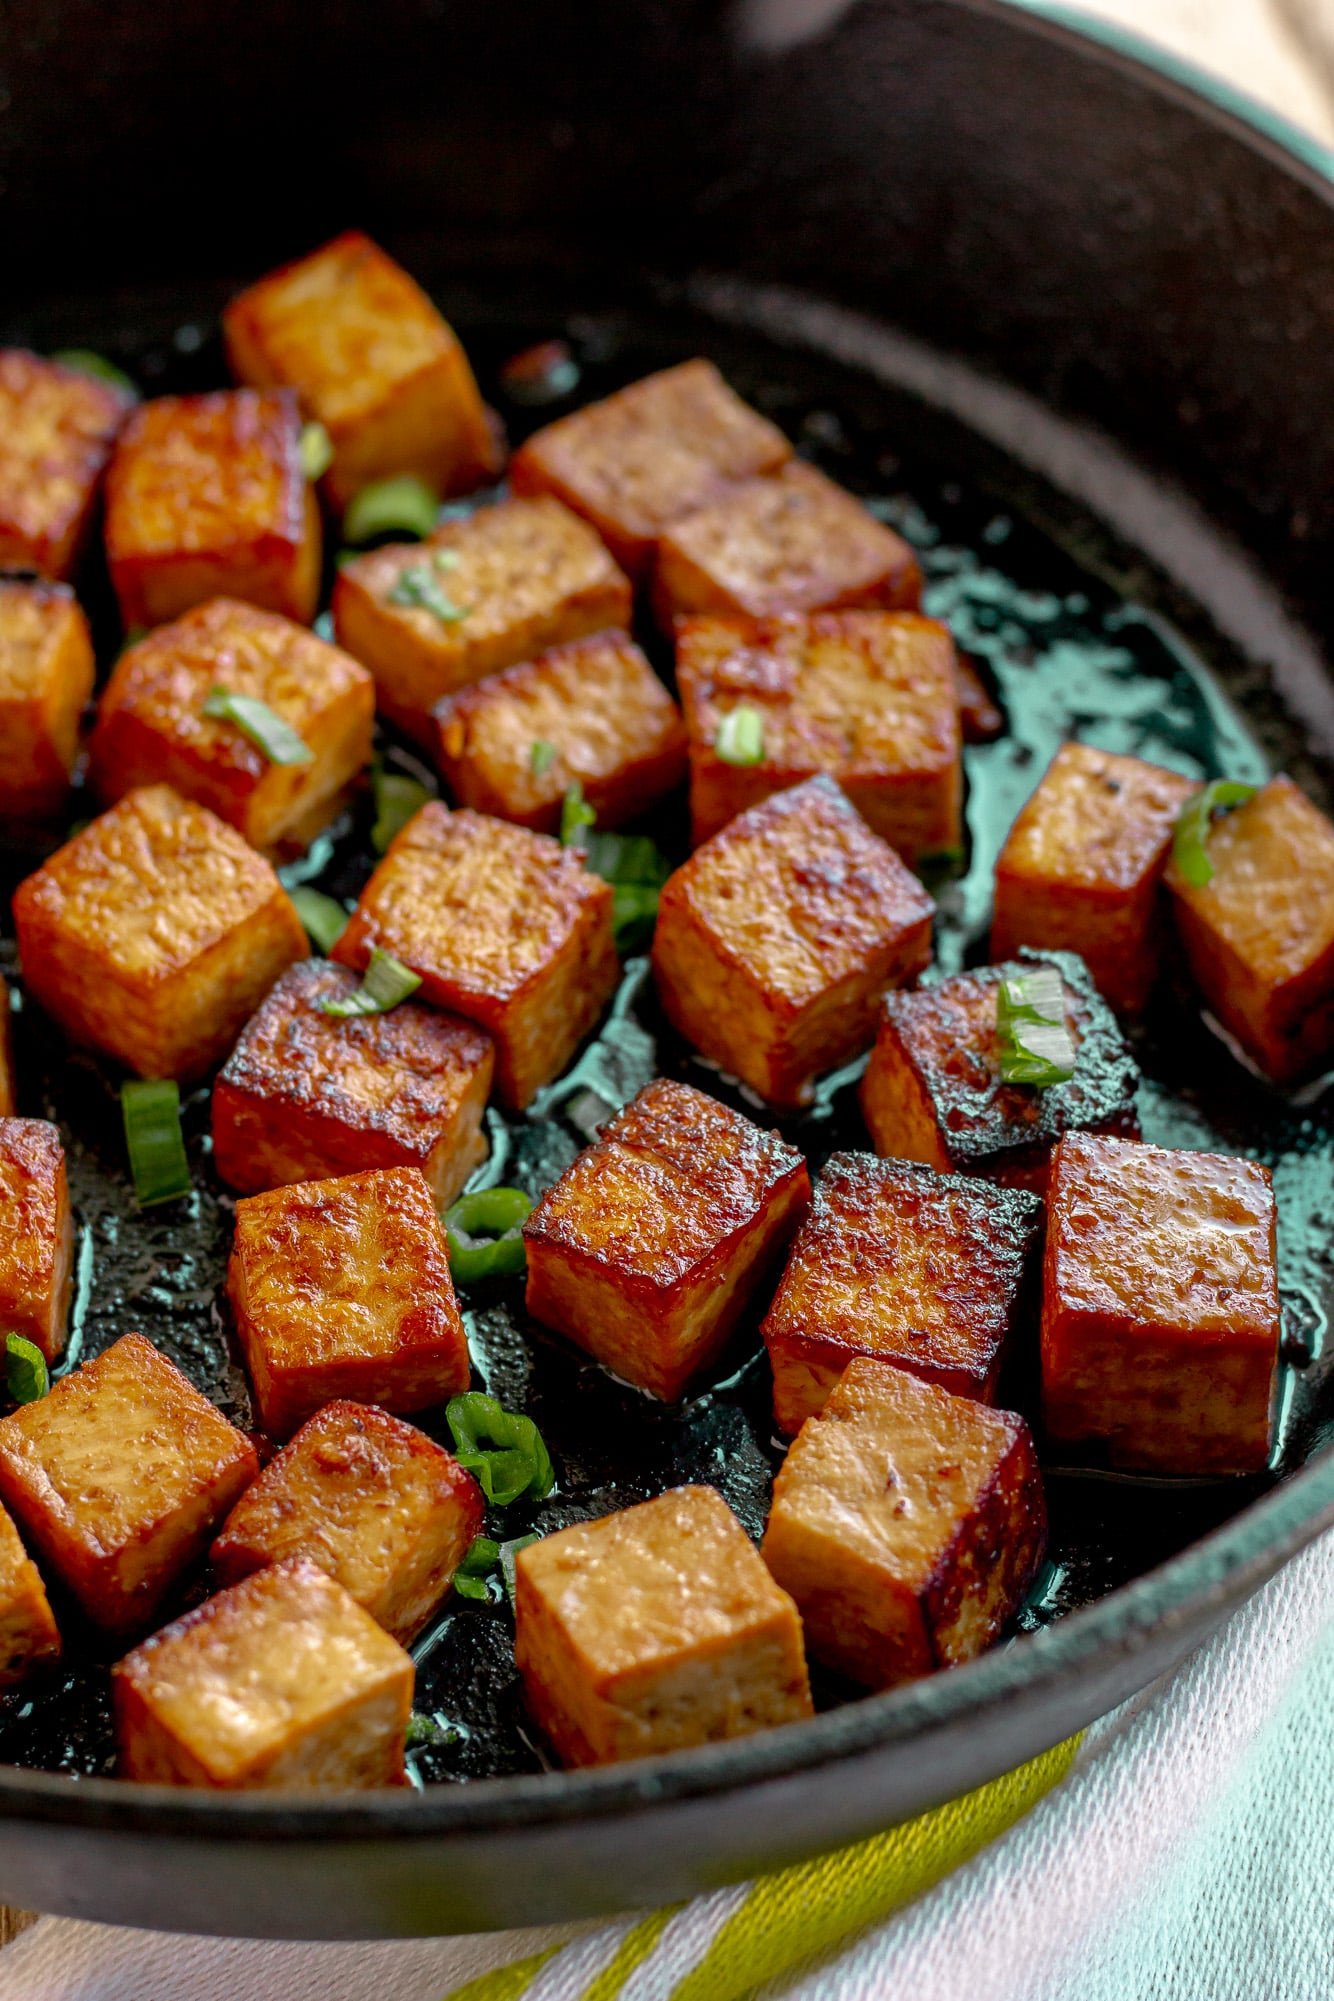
{"x": 317, "y": 452}
{"x": 404, "y": 505}
{"x": 1033, "y": 1037}
{"x": 151, "y": 1110}
{"x": 739, "y": 738}
{"x": 323, "y": 916}
{"x": 575, "y": 815}
{"x": 85, "y": 362}
{"x": 419, "y": 589}
{"x": 636, "y": 871}
{"x": 472, "y": 1579}
{"x": 257, "y": 721}
{"x": 397, "y": 798}
{"x": 385, "y": 982}
{"x": 425, "y": 1732}
{"x": 508, "y": 1552}
{"x": 1190, "y": 837}
{"x": 501, "y": 1447}
{"x": 541, "y": 757}
{"x": 25, "y": 1370}
{"x": 483, "y": 1232}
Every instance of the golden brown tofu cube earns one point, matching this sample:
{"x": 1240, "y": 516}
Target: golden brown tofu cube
{"x": 206, "y": 498}
{"x": 793, "y": 542}
{"x": 57, "y": 427}
{"x": 283, "y": 1681}
{"x": 46, "y": 677}
{"x": 502, "y": 926}
{"x": 480, "y": 594}
{"x": 371, "y": 1500}
{"x": 591, "y": 713}
{"x": 933, "y": 1090}
{"x": 653, "y": 1629}
{"x": 908, "y": 1524}
{"x": 28, "y": 1631}
{"x": 777, "y": 939}
{"x": 341, "y": 1289}
{"x": 36, "y": 1235}
{"x": 652, "y": 1244}
{"x": 152, "y": 729}
{"x": 649, "y": 454}
{"x": 910, "y": 1269}
{"x": 1081, "y": 868}
{"x": 155, "y": 933}
{"x": 1160, "y": 1309}
{"x": 8, "y": 1092}
{"x": 1260, "y": 935}
{"x": 868, "y": 696}
{"x": 306, "y": 1095}
{"x": 371, "y": 359}
{"x": 119, "y": 1476}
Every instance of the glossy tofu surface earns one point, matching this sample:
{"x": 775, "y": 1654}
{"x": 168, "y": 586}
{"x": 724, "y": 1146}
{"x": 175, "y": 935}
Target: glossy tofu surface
{"x": 57, "y": 428}
{"x": 29, "y": 1635}
{"x": 46, "y": 677}
{"x": 36, "y": 1235}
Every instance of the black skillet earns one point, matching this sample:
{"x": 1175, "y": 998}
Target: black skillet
{"x": 1068, "y": 321}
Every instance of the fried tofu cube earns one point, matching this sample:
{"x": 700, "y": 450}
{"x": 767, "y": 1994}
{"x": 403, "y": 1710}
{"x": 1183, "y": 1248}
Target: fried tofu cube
{"x": 868, "y": 696}
{"x": 908, "y": 1524}
{"x": 371, "y": 1500}
{"x": 654, "y": 1241}
{"x": 1260, "y": 936}
{"x": 1082, "y": 866}
{"x": 481, "y": 593}
{"x": 777, "y": 939}
{"x": 46, "y": 677}
{"x": 28, "y": 1631}
{"x": 282, "y": 1681}
{"x": 206, "y": 498}
{"x": 152, "y": 728}
{"x": 119, "y": 1476}
{"x": 8, "y": 1093}
{"x": 307, "y": 1095}
{"x": 502, "y": 926}
{"x": 649, "y": 454}
{"x": 57, "y": 428}
{"x": 913, "y": 1270}
{"x": 372, "y": 360}
{"x": 653, "y": 1629}
{"x": 933, "y": 1090}
{"x": 155, "y": 933}
{"x": 1160, "y": 1307}
{"x": 341, "y": 1289}
{"x": 36, "y": 1235}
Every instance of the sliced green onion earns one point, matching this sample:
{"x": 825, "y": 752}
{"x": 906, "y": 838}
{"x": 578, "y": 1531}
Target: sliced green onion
{"x": 541, "y": 757}
{"x": 397, "y": 798}
{"x": 575, "y": 815}
{"x": 317, "y": 452}
{"x": 1035, "y": 1043}
{"x": 503, "y": 1448}
{"x": 424, "y": 1731}
{"x": 484, "y": 1234}
{"x": 1190, "y": 836}
{"x": 472, "y": 1578}
{"x": 636, "y": 870}
{"x": 151, "y": 1109}
{"x": 25, "y": 1370}
{"x": 85, "y": 362}
{"x": 385, "y": 982}
{"x": 323, "y": 916}
{"x": 401, "y": 506}
{"x": 508, "y": 1552}
{"x": 256, "y": 720}
{"x": 740, "y": 736}
{"x": 419, "y": 588}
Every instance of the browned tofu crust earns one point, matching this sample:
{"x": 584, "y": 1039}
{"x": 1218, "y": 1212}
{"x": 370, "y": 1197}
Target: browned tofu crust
{"x": 933, "y": 1090}
{"x": 653, "y": 1629}
{"x": 306, "y": 1095}
{"x": 282, "y": 1681}
{"x": 155, "y": 933}
{"x": 1081, "y": 868}
{"x": 777, "y": 939}
{"x": 36, "y": 1235}
{"x": 916, "y": 1270}
{"x": 29, "y": 1635}
{"x": 649, "y": 454}
{"x": 372, "y": 1501}
{"x": 652, "y": 1244}
{"x": 604, "y": 717}
{"x": 57, "y": 427}
{"x": 341, "y": 1289}
{"x": 119, "y": 1476}
{"x": 1160, "y": 1307}
{"x": 46, "y": 677}
{"x": 1260, "y": 936}
{"x": 502, "y": 926}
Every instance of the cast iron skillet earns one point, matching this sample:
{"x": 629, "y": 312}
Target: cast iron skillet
{"x": 1077, "y": 298}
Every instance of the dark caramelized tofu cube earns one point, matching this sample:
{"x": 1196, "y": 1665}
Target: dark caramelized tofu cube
{"x": 793, "y": 542}
{"x": 868, "y": 696}
{"x": 1081, "y": 868}
{"x": 649, "y": 454}
{"x": 341, "y": 1289}
{"x": 206, "y": 498}
{"x": 306, "y": 1095}
{"x": 155, "y": 933}
{"x": 592, "y": 713}
{"x": 1260, "y": 936}
{"x": 283, "y": 1681}
{"x": 482, "y": 593}
{"x": 57, "y": 427}
{"x": 652, "y": 1244}
{"x": 908, "y": 1524}
{"x": 28, "y": 1631}
{"x": 502, "y": 926}
{"x": 777, "y": 939}
{"x": 36, "y": 1235}
{"x": 911, "y": 1269}
{"x": 371, "y": 359}
{"x": 933, "y": 1089}
{"x": 653, "y": 1629}
{"x": 46, "y": 677}
{"x": 119, "y": 1476}
{"x": 152, "y": 728}
{"x": 371, "y": 1500}
{"x": 1160, "y": 1309}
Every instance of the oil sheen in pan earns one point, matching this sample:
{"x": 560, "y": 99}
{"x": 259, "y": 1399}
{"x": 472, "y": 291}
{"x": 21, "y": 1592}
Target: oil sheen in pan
{"x": 1071, "y": 630}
